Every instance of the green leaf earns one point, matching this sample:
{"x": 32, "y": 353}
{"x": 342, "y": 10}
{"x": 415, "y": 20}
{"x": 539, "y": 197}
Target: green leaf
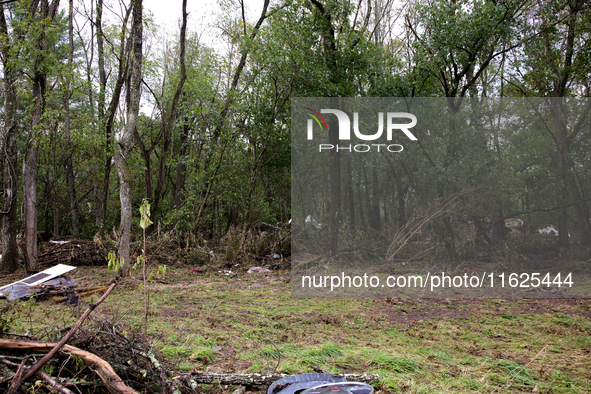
{"x": 145, "y": 214}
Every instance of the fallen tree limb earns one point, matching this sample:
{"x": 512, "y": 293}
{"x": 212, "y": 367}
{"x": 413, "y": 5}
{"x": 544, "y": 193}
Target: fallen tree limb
{"x": 258, "y": 379}
{"x": 84, "y": 294}
{"x": 99, "y": 366}
{"x": 17, "y": 376}
{"x": 51, "y": 381}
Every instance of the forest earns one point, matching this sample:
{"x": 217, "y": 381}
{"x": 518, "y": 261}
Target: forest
{"x": 101, "y": 112}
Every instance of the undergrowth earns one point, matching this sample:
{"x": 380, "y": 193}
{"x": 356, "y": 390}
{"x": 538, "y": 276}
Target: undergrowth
{"x": 210, "y": 321}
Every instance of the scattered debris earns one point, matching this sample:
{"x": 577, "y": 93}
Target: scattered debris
{"x": 49, "y": 288}
{"x": 271, "y": 227}
{"x": 51, "y": 381}
{"x": 257, "y": 269}
{"x": 318, "y": 383}
{"x": 310, "y": 220}
{"x": 51, "y": 241}
{"x": 30, "y": 284}
{"x": 548, "y": 230}
{"x": 48, "y": 284}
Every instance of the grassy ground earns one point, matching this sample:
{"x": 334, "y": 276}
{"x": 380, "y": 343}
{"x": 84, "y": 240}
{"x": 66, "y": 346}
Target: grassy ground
{"x": 249, "y": 323}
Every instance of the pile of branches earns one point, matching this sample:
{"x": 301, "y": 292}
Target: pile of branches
{"x": 103, "y": 357}
{"x": 73, "y": 252}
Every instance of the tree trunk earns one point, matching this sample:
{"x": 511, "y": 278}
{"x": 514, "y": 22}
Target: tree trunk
{"x": 181, "y": 169}
{"x": 30, "y": 173}
{"x": 146, "y": 156}
{"x": 376, "y": 222}
{"x": 107, "y": 118}
{"x": 125, "y": 143}
{"x": 102, "y": 194}
{"x": 9, "y": 262}
{"x": 168, "y": 125}
{"x": 30, "y": 165}
{"x": 350, "y": 197}
{"x": 334, "y": 210}
{"x": 30, "y": 196}
{"x": 401, "y": 204}
{"x": 563, "y": 74}
{"x": 69, "y": 164}
{"x": 53, "y": 190}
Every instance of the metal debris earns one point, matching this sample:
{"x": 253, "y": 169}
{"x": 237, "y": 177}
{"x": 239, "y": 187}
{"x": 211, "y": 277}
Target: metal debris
{"x": 30, "y": 284}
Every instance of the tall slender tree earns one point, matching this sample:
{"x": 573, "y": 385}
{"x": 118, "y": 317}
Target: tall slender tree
{"x": 67, "y": 97}
{"x": 169, "y": 119}
{"x": 125, "y": 142}
{"x": 9, "y": 262}
{"x": 47, "y": 12}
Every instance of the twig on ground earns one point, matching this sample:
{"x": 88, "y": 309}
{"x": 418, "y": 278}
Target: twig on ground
{"x": 102, "y": 368}
{"x": 50, "y": 380}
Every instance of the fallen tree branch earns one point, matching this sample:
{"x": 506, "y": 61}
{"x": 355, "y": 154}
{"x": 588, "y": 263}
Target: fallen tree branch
{"x": 99, "y": 366}
{"x": 17, "y": 376}
{"x": 84, "y": 294}
{"x": 258, "y": 379}
{"x": 51, "y": 381}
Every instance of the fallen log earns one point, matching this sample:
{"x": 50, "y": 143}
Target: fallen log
{"x": 99, "y": 366}
{"x": 259, "y": 379}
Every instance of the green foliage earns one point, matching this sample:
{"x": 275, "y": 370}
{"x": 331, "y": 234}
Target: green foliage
{"x": 160, "y": 271}
{"x": 5, "y": 322}
{"x": 145, "y": 215}
{"x": 226, "y": 175}
{"x": 114, "y": 263}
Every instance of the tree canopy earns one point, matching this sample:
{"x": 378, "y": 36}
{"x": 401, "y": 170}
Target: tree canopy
{"x": 204, "y": 133}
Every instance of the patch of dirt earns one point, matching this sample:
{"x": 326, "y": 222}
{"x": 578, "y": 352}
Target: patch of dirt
{"x": 409, "y": 311}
